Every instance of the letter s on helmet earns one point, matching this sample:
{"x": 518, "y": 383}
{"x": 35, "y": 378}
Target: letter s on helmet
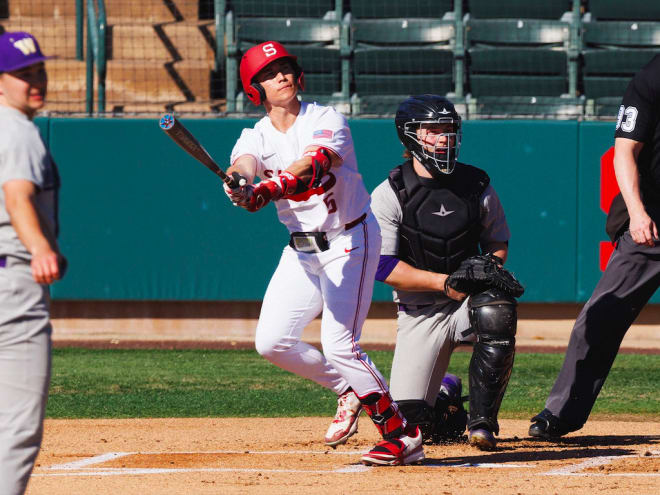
{"x": 258, "y": 57}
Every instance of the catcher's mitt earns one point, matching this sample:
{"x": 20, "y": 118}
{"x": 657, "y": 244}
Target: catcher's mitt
{"x": 479, "y": 273}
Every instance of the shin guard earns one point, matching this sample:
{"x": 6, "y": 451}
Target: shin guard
{"x": 385, "y": 414}
{"x": 493, "y": 317}
{"x": 490, "y": 369}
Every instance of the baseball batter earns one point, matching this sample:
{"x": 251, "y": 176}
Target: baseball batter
{"x": 435, "y": 212}
{"x": 303, "y": 153}
{"x": 633, "y": 272}
{"x": 29, "y": 258}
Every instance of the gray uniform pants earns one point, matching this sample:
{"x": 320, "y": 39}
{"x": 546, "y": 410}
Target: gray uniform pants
{"x": 25, "y": 332}
{"x": 630, "y": 279}
{"x": 425, "y": 341}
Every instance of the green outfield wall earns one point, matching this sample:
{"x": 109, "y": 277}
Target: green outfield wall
{"x": 141, "y": 220}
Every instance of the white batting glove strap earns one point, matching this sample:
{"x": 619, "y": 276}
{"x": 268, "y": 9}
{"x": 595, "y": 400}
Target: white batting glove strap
{"x": 238, "y": 196}
{"x": 281, "y": 186}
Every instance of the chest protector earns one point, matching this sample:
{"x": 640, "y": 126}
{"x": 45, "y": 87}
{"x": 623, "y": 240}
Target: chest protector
{"x": 441, "y": 217}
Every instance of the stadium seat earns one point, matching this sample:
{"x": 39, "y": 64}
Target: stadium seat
{"x": 613, "y": 51}
{"x": 518, "y": 9}
{"x": 288, "y": 8}
{"x": 619, "y": 10}
{"x": 514, "y": 57}
{"x": 521, "y": 48}
{"x": 400, "y": 49}
{"x": 421, "y": 9}
{"x": 526, "y": 106}
{"x": 316, "y": 42}
{"x": 603, "y": 108}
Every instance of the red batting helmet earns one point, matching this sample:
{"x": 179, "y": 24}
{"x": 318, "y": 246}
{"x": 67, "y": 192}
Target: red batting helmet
{"x": 258, "y": 57}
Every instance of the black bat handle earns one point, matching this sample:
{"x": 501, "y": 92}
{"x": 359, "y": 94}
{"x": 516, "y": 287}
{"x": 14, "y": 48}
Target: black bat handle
{"x": 237, "y": 180}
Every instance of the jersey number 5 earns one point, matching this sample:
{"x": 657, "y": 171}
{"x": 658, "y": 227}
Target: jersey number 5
{"x": 330, "y": 203}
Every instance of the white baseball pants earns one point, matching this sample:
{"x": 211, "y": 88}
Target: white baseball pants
{"x": 339, "y": 282}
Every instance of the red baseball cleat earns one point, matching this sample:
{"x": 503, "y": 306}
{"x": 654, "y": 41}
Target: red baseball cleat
{"x": 397, "y": 451}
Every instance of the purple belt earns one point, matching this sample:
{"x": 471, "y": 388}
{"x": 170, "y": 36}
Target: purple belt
{"x": 3, "y": 261}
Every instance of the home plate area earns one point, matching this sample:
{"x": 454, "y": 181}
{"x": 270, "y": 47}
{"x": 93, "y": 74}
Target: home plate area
{"x": 302, "y": 461}
{"x": 264, "y": 456}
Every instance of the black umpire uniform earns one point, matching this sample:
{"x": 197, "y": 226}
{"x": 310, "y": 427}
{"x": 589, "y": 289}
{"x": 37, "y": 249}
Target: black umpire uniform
{"x": 630, "y": 279}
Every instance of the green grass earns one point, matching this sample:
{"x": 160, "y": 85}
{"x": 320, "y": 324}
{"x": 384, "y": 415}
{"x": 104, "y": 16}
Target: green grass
{"x": 198, "y": 383}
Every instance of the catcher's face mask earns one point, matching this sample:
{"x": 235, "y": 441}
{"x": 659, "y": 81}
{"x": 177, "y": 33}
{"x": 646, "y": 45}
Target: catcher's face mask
{"x": 438, "y": 142}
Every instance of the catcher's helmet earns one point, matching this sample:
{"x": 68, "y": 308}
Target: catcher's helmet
{"x": 258, "y": 57}
{"x": 429, "y": 109}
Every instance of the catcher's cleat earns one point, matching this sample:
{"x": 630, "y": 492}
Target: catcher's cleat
{"x": 345, "y": 422}
{"x": 482, "y": 439}
{"x": 547, "y": 425}
{"x": 396, "y": 451}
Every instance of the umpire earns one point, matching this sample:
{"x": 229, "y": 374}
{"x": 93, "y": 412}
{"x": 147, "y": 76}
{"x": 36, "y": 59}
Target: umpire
{"x": 29, "y": 258}
{"x": 633, "y": 272}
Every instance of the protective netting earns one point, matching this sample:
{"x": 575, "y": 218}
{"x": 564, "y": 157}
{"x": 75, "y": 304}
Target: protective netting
{"x": 148, "y": 55}
{"x": 511, "y": 58}
{"x": 53, "y": 23}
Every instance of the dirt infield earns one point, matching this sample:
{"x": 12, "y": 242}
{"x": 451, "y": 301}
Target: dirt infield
{"x": 287, "y": 456}
{"x": 277, "y": 456}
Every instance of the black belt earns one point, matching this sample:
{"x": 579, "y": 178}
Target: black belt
{"x": 317, "y": 242}
{"x": 3, "y": 261}
{"x": 413, "y": 307}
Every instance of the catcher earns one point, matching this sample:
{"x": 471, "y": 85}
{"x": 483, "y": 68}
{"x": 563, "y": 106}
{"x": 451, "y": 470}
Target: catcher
{"x": 437, "y": 216}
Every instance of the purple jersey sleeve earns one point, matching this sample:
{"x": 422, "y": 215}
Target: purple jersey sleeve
{"x": 385, "y": 266}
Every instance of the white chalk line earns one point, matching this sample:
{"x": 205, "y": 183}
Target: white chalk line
{"x": 97, "y": 459}
{"x": 577, "y": 469}
{"x": 134, "y": 471}
{"x": 83, "y": 467}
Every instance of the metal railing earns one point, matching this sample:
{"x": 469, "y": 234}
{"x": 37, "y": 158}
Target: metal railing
{"x": 96, "y": 54}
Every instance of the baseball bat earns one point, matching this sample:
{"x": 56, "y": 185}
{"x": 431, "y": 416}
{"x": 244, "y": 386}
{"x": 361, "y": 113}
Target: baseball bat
{"x": 183, "y": 137}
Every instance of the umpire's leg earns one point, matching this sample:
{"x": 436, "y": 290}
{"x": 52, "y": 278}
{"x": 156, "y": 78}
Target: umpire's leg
{"x": 630, "y": 279}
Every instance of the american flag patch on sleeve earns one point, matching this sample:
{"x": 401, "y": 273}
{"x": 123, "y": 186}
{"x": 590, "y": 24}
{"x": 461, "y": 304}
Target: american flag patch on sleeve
{"x": 323, "y": 134}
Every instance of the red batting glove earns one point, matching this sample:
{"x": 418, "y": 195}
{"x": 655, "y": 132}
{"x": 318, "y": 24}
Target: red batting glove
{"x": 262, "y": 194}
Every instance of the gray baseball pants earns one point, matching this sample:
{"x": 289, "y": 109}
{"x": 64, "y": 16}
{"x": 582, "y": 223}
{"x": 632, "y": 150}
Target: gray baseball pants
{"x": 25, "y": 341}
{"x": 425, "y": 341}
{"x": 630, "y": 279}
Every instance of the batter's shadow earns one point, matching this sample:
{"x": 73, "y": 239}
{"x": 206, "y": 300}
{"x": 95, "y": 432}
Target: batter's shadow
{"x": 513, "y": 457}
{"x": 584, "y": 441}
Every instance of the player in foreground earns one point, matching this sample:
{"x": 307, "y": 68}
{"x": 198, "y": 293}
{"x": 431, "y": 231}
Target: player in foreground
{"x": 303, "y": 153}
{"x": 436, "y": 215}
{"x": 633, "y": 272}
{"x": 29, "y": 258}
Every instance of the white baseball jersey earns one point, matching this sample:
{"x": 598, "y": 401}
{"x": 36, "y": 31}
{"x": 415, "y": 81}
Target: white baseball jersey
{"x": 337, "y": 282}
{"x": 341, "y": 197}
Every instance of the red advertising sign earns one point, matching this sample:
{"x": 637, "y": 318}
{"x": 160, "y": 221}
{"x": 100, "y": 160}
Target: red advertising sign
{"x": 608, "y": 189}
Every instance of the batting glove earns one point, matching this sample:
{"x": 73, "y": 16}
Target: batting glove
{"x": 237, "y": 195}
